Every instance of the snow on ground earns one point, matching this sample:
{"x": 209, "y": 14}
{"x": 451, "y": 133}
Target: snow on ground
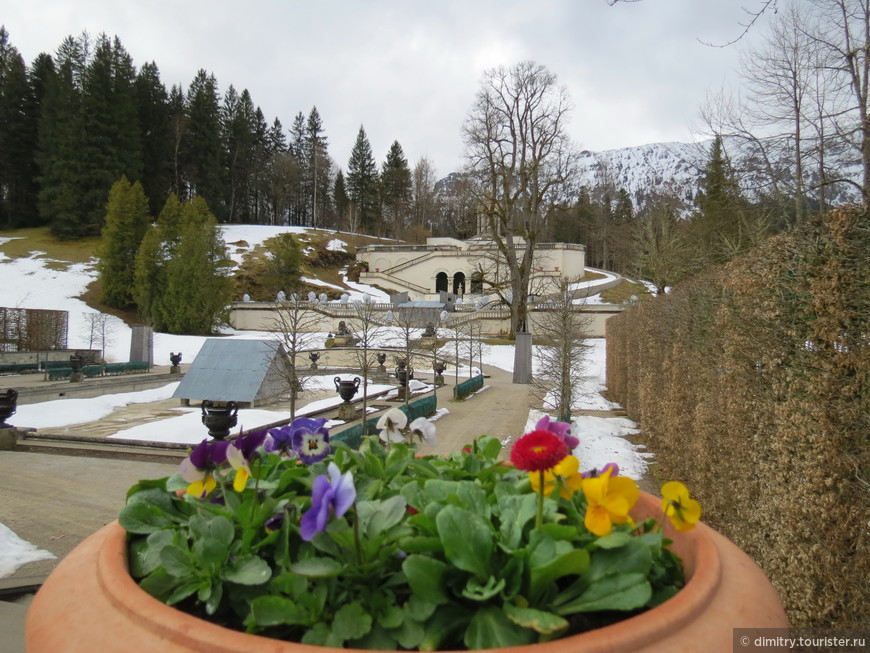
{"x": 15, "y": 552}
{"x": 37, "y": 286}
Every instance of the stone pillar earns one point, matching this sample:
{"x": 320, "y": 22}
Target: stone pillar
{"x": 523, "y": 358}
{"x": 142, "y": 344}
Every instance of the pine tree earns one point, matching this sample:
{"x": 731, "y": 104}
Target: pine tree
{"x": 396, "y": 190}
{"x": 111, "y": 145}
{"x": 178, "y": 122}
{"x": 126, "y": 222}
{"x": 158, "y": 246}
{"x": 283, "y": 269}
{"x": 198, "y": 287}
{"x": 201, "y": 146}
{"x": 238, "y": 138}
{"x": 155, "y": 135}
{"x": 298, "y": 204}
{"x": 722, "y": 225}
{"x": 17, "y": 139}
{"x": 316, "y": 166}
{"x": 60, "y": 141}
{"x": 362, "y": 184}
{"x": 341, "y": 200}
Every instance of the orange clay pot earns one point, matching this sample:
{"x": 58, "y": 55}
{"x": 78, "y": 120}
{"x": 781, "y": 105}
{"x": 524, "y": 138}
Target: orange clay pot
{"x": 91, "y": 603}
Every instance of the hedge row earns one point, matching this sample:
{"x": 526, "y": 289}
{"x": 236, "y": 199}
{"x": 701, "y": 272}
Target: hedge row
{"x": 752, "y": 385}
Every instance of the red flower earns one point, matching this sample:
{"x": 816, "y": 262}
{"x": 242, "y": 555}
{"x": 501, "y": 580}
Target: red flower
{"x": 538, "y": 451}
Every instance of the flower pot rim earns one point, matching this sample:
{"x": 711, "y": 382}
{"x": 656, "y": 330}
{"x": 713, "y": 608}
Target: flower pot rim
{"x": 697, "y": 548}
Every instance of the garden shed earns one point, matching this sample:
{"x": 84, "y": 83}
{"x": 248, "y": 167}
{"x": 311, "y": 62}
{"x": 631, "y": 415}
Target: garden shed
{"x": 248, "y": 372}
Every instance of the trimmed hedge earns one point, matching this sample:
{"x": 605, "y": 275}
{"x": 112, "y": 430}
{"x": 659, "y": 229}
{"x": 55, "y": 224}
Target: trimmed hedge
{"x": 468, "y": 387}
{"x": 752, "y": 385}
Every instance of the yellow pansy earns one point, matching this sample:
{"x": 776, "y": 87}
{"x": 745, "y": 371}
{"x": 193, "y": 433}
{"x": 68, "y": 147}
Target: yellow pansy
{"x": 565, "y": 475}
{"x": 683, "y": 511}
{"x": 608, "y": 501}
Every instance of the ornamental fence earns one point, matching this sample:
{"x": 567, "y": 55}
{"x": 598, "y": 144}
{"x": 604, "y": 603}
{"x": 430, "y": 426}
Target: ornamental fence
{"x": 752, "y": 385}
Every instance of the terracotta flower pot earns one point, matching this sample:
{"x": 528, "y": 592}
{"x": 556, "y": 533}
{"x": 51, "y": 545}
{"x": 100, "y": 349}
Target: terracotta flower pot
{"x": 91, "y": 603}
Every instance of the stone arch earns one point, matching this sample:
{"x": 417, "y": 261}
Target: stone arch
{"x": 441, "y": 282}
{"x": 476, "y": 283}
{"x": 459, "y": 283}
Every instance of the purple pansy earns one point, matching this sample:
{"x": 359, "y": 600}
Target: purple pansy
{"x": 559, "y": 428}
{"x": 308, "y": 438}
{"x": 239, "y": 454}
{"x": 334, "y": 492}
{"x": 609, "y": 468}
{"x": 197, "y": 469}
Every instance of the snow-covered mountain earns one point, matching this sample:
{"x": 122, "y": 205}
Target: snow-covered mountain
{"x": 676, "y": 169}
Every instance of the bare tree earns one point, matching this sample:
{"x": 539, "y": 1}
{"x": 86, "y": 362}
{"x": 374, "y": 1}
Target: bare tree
{"x": 519, "y": 152}
{"x": 561, "y": 330}
{"x": 423, "y": 180}
{"x": 365, "y": 327}
{"x": 295, "y": 324}
{"x": 99, "y": 329}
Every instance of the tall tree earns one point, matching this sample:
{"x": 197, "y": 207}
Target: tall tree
{"x": 238, "y": 136}
{"x": 423, "y": 193}
{"x": 18, "y": 129}
{"x": 111, "y": 145}
{"x": 156, "y": 135}
{"x": 341, "y": 200}
{"x": 396, "y": 190}
{"x": 317, "y": 166}
{"x": 201, "y": 146}
{"x": 198, "y": 287}
{"x": 518, "y": 149}
{"x": 60, "y": 141}
{"x": 126, "y": 222}
{"x": 362, "y": 184}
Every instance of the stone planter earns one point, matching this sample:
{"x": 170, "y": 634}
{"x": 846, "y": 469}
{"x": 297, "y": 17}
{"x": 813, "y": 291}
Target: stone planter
{"x": 91, "y": 603}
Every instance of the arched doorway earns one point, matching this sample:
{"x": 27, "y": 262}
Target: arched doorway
{"x": 477, "y": 283}
{"x": 441, "y": 282}
{"x": 459, "y": 283}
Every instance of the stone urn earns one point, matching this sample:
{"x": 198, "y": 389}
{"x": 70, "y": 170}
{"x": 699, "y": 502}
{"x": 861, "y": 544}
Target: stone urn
{"x": 314, "y": 357}
{"x": 175, "y": 360}
{"x": 439, "y": 368}
{"x": 382, "y": 358}
{"x": 219, "y": 420}
{"x": 8, "y": 406}
{"x": 75, "y": 364}
{"x": 346, "y": 390}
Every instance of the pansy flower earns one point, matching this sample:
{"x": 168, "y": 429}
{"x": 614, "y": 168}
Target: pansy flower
{"x": 240, "y": 453}
{"x": 538, "y": 451}
{"x": 425, "y": 430}
{"x": 608, "y": 500}
{"x": 565, "y": 476}
{"x": 683, "y": 511}
{"x": 198, "y": 468}
{"x": 609, "y": 468}
{"x": 307, "y": 438}
{"x": 335, "y": 493}
{"x": 559, "y": 428}
{"x": 391, "y": 424}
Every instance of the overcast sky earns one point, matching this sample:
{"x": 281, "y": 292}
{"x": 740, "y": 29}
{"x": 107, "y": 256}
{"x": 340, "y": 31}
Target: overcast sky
{"x": 408, "y": 70}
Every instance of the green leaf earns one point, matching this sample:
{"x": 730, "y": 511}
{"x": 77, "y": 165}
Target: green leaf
{"x": 515, "y": 512}
{"x": 321, "y": 635}
{"x": 391, "y": 617}
{"x": 467, "y": 540}
{"x": 409, "y": 634}
{"x": 634, "y": 557}
{"x": 490, "y": 628}
{"x": 418, "y": 608}
{"x": 145, "y": 552}
{"x": 143, "y": 518}
{"x": 379, "y": 516}
{"x": 476, "y": 592}
{"x": 351, "y": 621}
{"x": 317, "y": 567}
{"x": 572, "y": 563}
{"x": 615, "y": 592}
{"x": 277, "y": 611}
{"x": 176, "y": 561}
{"x": 212, "y": 535}
{"x": 615, "y": 540}
{"x": 441, "y": 627}
{"x": 426, "y": 578}
{"x": 160, "y": 583}
{"x": 542, "y": 622}
{"x": 248, "y": 570}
